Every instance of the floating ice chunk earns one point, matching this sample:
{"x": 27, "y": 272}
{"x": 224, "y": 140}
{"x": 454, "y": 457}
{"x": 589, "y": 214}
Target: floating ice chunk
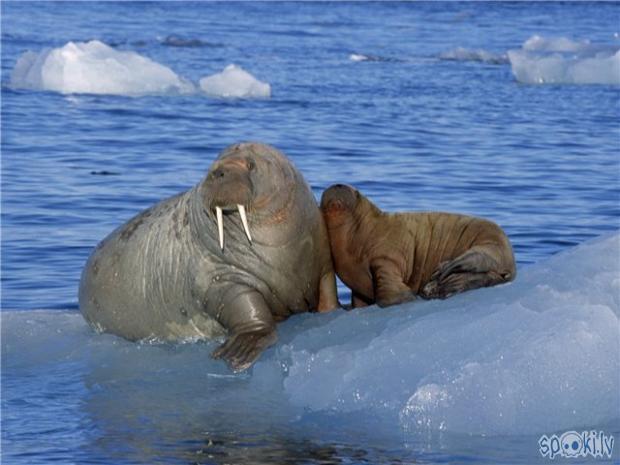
{"x": 465, "y": 54}
{"x": 558, "y": 69}
{"x": 94, "y": 68}
{"x": 235, "y": 82}
{"x": 563, "y": 61}
{"x": 358, "y": 57}
{"x": 537, "y": 355}
{"x": 537, "y": 43}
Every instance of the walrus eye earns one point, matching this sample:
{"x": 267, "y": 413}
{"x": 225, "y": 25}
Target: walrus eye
{"x": 250, "y": 164}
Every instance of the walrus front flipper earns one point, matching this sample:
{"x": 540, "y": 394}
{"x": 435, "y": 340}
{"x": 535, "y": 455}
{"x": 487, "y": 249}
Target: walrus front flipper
{"x": 251, "y": 330}
{"x": 389, "y": 287}
{"x": 241, "y": 350}
{"x": 358, "y": 301}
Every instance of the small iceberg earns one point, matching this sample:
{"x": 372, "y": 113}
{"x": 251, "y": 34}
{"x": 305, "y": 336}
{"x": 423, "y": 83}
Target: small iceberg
{"x": 480, "y": 55}
{"x": 538, "y": 355}
{"x": 235, "y": 82}
{"x": 95, "y": 68}
{"x": 564, "y": 61}
{"x": 538, "y": 43}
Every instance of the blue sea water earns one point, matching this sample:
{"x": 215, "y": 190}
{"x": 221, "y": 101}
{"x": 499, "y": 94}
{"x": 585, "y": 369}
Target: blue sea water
{"x": 411, "y": 130}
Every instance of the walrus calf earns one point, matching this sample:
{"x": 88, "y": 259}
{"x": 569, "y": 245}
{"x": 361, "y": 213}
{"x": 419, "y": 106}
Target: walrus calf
{"x": 390, "y": 258}
{"x": 243, "y": 249}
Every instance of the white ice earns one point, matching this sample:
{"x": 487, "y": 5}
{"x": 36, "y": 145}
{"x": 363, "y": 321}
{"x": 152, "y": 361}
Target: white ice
{"x": 95, "y": 68}
{"x": 358, "y": 57}
{"x": 539, "y": 355}
{"x": 538, "y": 43}
{"x": 373, "y": 58}
{"x": 536, "y": 355}
{"x": 235, "y": 82}
{"x": 564, "y": 61}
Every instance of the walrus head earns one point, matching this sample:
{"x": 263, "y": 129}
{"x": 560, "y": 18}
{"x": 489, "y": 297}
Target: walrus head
{"x": 249, "y": 178}
{"x": 342, "y": 204}
{"x": 339, "y": 198}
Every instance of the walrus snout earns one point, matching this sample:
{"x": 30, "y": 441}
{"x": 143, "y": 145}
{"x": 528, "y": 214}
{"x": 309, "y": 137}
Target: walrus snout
{"x": 228, "y": 188}
{"x": 228, "y": 184}
{"x": 339, "y": 197}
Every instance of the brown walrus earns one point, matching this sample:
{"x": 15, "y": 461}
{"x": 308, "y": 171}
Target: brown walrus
{"x": 389, "y": 258}
{"x": 189, "y": 267}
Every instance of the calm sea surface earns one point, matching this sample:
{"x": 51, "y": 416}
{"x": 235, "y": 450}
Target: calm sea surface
{"x": 410, "y": 130}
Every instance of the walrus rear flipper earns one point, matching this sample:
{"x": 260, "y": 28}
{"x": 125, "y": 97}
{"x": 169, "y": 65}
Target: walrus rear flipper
{"x": 480, "y": 266}
{"x": 251, "y": 329}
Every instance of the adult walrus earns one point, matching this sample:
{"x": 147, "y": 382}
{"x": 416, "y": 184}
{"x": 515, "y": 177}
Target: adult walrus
{"x": 391, "y": 258}
{"x": 243, "y": 249}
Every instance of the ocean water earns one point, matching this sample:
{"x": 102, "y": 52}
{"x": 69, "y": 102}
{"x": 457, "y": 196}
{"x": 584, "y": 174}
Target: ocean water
{"x": 502, "y": 110}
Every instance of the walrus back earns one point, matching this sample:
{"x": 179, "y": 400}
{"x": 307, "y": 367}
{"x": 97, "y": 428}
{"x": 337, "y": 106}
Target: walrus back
{"x": 440, "y": 236}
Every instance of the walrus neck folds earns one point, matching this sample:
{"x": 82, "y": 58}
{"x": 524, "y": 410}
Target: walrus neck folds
{"x": 273, "y": 208}
{"x": 366, "y": 213}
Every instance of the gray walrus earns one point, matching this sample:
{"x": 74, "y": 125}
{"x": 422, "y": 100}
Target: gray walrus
{"x": 245, "y": 248}
{"x": 391, "y": 258}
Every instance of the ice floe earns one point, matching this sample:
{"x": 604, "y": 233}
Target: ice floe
{"x": 96, "y": 68}
{"x": 535, "y": 356}
{"x": 235, "y": 82}
{"x": 561, "y": 60}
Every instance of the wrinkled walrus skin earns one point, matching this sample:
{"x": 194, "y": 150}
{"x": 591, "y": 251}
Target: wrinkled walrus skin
{"x": 392, "y": 258}
{"x": 171, "y": 274}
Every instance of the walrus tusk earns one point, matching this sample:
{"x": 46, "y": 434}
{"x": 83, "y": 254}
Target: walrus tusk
{"x": 220, "y": 225}
{"x": 244, "y": 220}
